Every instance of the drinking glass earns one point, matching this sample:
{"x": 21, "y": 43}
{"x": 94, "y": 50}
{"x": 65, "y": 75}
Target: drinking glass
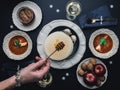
{"x": 73, "y": 9}
{"x": 46, "y": 80}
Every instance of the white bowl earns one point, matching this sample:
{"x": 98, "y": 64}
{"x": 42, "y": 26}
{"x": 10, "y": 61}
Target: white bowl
{"x": 7, "y": 50}
{"x": 114, "y": 38}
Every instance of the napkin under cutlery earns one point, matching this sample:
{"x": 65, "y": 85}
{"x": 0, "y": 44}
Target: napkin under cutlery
{"x": 102, "y": 17}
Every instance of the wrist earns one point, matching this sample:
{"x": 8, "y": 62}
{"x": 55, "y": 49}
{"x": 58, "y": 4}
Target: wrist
{"x": 18, "y": 79}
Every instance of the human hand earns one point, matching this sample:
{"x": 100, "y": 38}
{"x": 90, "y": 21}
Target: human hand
{"x": 35, "y": 71}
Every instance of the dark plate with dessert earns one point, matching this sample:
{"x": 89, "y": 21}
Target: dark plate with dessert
{"x": 17, "y": 45}
{"x": 104, "y": 43}
{"x": 27, "y": 15}
{"x": 92, "y": 73}
{"x": 71, "y": 34}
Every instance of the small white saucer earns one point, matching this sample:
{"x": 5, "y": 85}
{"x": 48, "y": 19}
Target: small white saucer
{"x": 80, "y": 79}
{"x": 37, "y": 12}
{"x": 6, "y": 49}
{"x": 114, "y": 38}
{"x": 67, "y": 63}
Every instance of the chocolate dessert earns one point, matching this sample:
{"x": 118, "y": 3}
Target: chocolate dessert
{"x": 26, "y": 15}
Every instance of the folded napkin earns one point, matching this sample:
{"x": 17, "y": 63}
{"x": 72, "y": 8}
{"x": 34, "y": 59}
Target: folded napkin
{"x": 103, "y": 12}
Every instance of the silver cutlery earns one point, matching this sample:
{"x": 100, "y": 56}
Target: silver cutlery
{"x": 94, "y": 20}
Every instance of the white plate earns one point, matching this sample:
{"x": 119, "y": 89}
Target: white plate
{"x": 80, "y": 79}
{"x": 115, "y": 40}
{"x": 67, "y": 63}
{"x": 38, "y": 16}
{"x": 6, "y": 45}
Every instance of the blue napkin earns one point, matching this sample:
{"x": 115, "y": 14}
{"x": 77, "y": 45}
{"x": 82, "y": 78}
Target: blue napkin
{"x": 103, "y": 12}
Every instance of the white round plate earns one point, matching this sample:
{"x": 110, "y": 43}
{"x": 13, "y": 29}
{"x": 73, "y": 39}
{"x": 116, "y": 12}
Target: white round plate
{"x": 67, "y": 63}
{"x": 38, "y": 16}
{"x": 115, "y": 40}
{"x": 80, "y": 79}
{"x": 6, "y": 49}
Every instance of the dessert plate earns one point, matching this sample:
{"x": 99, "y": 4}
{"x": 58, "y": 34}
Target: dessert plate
{"x": 115, "y": 42}
{"x": 6, "y": 47}
{"x": 76, "y": 56}
{"x": 55, "y": 38}
{"x": 80, "y": 78}
{"x": 37, "y": 20}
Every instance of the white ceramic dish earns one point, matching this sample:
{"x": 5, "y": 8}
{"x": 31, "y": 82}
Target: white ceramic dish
{"x": 6, "y": 49}
{"x": 80, "y": 79}
{"x": 37, "y": 20}
{"x": 115, "y": 40}
{"x": 67, "y": 63}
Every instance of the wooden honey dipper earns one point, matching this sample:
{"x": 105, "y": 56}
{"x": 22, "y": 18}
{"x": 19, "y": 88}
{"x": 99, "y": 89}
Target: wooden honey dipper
{"x": 45, "y": 79}
{"x": 58, "y": 47}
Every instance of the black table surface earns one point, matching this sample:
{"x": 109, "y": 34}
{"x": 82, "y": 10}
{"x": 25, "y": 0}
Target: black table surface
{"x": 50, "y": 14}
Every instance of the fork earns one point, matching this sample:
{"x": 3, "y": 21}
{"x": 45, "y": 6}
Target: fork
{"x": 94, "y": 20}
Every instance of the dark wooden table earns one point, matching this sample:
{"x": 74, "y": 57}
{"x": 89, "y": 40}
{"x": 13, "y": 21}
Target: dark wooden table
{"x": 49, "y": 14}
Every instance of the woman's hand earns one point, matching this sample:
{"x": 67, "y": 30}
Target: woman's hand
{"x": 35, "y": 71}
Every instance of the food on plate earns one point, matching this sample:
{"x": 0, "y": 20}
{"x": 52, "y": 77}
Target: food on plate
{"x": 98, "y": 82}
{"x": 81, "y": 72}
{"x": 90, "y": 78}
{"x": 93, "y": 61}
{"x": 67, "y": 31}
{"x": 84, "y": 66}
{"x": 102, "y": 78}
{"x": 53, "y": 39}
{"x": 18, "y": 45}
{"x": 74, "y": 38}
{"x": 90, "y": 66}
{"x": 92, "y": 72}
{"x": 26, "y": 15}
{"x": 103, "y": 43}
{"x": 99, "y": 69}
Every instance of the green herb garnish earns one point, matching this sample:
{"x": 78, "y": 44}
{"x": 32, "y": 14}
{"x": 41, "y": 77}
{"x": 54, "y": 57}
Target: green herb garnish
{"x": 17, "y": 43}
{"x": 102, "y": 41}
